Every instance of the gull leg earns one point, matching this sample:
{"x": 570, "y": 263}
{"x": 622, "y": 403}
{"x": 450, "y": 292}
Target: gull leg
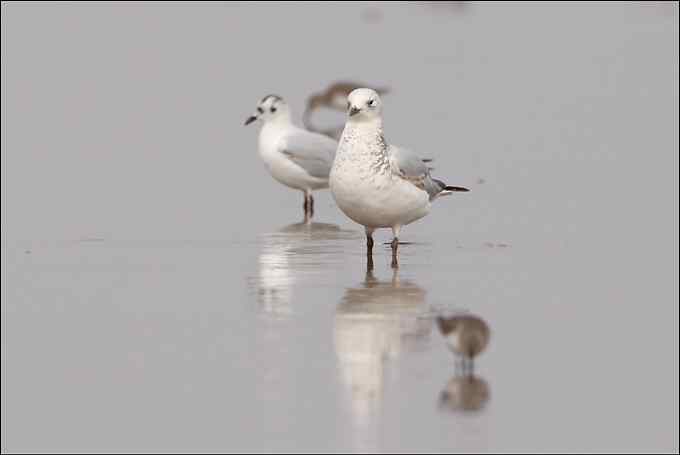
{"x": 395, "y": 246}
{"x": 305, "y": 206}
{"x": 308, "y": 205}
{"x": 369, "y": 248}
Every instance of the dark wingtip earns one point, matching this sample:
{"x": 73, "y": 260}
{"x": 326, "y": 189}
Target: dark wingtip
{"x": 455, "y": 188}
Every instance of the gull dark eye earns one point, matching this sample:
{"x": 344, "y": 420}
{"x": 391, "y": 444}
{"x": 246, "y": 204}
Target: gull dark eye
{"x": 273, "y": 109}
{"x": 371, "y": 103}
{"x": 260, "y": 110}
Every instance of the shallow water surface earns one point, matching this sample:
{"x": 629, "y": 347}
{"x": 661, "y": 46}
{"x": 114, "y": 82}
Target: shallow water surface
{"x": 159, "y": 292}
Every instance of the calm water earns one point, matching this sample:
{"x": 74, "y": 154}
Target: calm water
{"x": 159, "y": 292}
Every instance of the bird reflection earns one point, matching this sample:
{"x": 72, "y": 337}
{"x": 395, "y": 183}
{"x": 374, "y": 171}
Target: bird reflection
{"x": 465, "y": 393}
{"x": 287, "y": 257}
{"x": 312, "y": 228}
{"x": 375, "y": 322}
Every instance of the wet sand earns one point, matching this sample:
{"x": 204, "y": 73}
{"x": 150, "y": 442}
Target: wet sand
{"x": 160, "y": 294}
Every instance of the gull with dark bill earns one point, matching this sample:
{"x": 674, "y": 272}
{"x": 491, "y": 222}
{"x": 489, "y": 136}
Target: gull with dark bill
{"x": 294, "y": 156}
{"x": 376, "y": 184}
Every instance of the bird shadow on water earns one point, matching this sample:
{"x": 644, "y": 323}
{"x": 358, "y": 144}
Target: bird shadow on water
{"x": 375, "y": 322}
{"x": 290, "y": 255}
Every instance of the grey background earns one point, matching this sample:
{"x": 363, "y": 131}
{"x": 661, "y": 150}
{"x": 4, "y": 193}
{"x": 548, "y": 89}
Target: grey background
{"x": 153, "y": 298}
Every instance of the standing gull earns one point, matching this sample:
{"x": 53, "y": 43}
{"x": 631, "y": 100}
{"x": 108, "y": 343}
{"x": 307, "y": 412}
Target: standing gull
{"x": 295, "y": 157}
{"x": 376, "y": 184}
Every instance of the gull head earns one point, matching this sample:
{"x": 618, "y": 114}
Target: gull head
{"x": 364, "y": 104}
{"x": 271, "y": 107}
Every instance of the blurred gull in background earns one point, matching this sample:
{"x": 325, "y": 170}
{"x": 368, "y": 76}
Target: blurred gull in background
{"x": 334, "y": 97}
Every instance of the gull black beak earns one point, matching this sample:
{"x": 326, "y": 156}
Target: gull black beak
{"x": 354, "y": 110}
{"x": 250, "y": 120}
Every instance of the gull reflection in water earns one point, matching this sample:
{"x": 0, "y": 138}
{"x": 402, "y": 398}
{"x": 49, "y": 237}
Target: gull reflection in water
{"x": 374, "y": 323}
{"x": 290, "y": 255}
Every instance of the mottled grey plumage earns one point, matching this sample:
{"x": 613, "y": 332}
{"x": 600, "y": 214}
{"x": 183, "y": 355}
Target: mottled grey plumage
{"x": 311, "y": 151}
{"x": 414, "y": 169}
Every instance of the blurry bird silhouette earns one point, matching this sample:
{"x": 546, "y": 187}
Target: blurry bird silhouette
{"x": 333, "y": 97}
{"x": 467, "y": 336}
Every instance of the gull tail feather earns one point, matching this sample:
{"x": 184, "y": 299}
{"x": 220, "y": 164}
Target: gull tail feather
{"x": 448, "y": 189}
{"x": 455, "y": 188}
